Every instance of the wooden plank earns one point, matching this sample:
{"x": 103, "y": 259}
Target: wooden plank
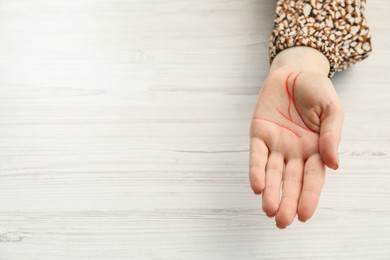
{"x": 124, "y": 135}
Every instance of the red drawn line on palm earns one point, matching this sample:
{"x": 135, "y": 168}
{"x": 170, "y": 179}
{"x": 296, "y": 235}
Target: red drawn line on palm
{"x": 291, "y": 99}
{"x": 283, "y": 126}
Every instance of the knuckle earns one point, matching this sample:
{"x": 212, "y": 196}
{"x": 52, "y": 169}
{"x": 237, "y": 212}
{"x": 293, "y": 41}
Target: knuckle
{"x": 274, "y": 170}
{"x": 295, "y": 178}
{"x": 254, "y": 171}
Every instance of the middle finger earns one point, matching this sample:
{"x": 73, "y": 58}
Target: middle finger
{"x": 291, "y": 189}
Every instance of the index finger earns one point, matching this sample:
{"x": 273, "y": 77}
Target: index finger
{"x": 258, "y": 157}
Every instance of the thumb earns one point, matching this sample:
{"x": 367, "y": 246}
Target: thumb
{"x": 330, "y": 133}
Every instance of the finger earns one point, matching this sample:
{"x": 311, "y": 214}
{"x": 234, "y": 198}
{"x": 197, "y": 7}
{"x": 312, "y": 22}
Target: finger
{"x": 257, "y": 162}
{"x": 292, "y": 184}
{"x": 313, "y": 181}
{"x": 330, "y": 134}
{"x": 273, "y": 180}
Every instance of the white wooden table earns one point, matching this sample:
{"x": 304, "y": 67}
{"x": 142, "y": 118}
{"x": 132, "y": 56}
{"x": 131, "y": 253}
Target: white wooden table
{"x": 124, "y": 135}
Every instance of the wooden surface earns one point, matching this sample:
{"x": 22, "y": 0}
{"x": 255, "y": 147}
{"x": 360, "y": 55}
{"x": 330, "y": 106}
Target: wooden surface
{"x": 124, "y": 135}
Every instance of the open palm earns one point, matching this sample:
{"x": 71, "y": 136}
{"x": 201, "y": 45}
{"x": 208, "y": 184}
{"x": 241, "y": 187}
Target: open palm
{"x": 295, "y": 130}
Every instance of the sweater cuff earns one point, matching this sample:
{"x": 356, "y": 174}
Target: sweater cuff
{"x": 337, "y": 28}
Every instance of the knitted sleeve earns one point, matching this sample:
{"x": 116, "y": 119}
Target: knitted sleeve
{"x": 337, "y": 28}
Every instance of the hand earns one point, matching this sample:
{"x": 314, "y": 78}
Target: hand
{"x": 295, "y": 130}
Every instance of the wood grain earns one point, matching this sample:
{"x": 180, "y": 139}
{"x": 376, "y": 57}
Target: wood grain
{"x": 124, "y": 135}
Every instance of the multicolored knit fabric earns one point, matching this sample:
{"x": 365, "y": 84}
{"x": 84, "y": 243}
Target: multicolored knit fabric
{"x": 337, "y": 28}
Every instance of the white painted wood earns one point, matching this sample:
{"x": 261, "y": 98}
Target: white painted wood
{"x": 124, "y": 135}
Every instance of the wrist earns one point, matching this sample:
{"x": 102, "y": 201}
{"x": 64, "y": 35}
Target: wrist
{"x": 301, "y": 58}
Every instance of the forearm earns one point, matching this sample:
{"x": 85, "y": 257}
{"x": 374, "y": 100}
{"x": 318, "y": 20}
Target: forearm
{"x": 301, "y": 58}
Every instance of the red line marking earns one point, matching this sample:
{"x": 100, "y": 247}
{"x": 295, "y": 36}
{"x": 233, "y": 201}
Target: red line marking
{"x": 291, "y": 99}
{"x": 283, "y": 126}
{"x": 289, "y": 96}
{"x": 307, "y": 129}
{"x": 295, "y": 105}
{"x": 293, "y": 87}
{"x": 280, "y": 112}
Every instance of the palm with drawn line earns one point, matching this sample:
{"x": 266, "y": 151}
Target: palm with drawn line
{"x": 295, "y": 129}
{"x": 288, "y": 116}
